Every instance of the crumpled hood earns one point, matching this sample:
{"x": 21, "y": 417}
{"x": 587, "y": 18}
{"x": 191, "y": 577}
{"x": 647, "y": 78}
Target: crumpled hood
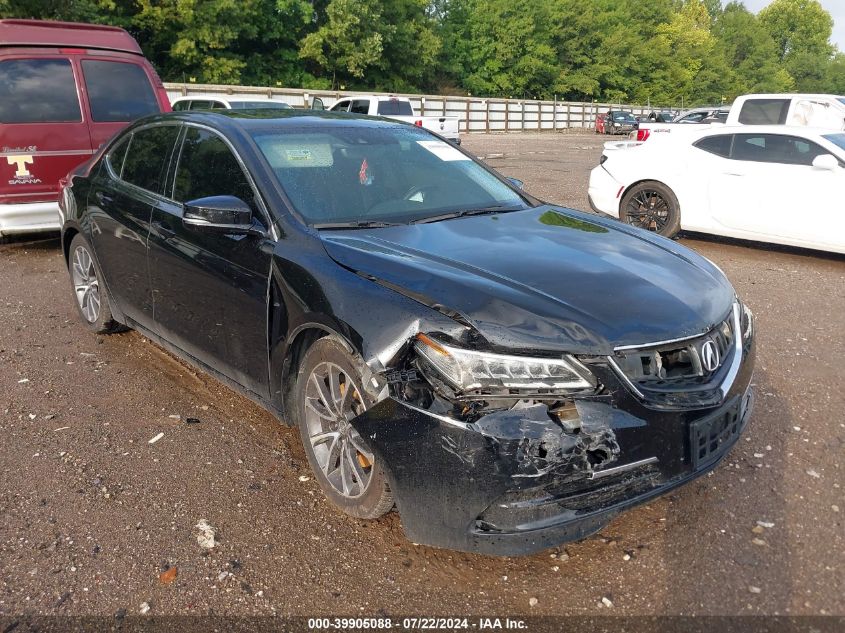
{"x": 546, "y": 278}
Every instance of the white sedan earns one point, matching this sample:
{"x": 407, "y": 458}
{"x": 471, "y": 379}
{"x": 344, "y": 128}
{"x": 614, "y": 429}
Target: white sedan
{"x": 767, "y": 183}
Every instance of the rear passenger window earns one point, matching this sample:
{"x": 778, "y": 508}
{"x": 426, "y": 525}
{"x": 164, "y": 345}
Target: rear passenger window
{"x": 149, "y": 152}
{"x": 117, "y": 154}
{"x": 38, "y": 91}
{"x": 207, "y": 167}
{"x": 118, "y": 91}
{"x": 360, "y": 106}
{"x": 719, "y": 145}
{"x": 764, "y": 111}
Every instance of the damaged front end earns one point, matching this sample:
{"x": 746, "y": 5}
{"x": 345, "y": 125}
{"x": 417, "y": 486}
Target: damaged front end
{"x": 506, "y": 455}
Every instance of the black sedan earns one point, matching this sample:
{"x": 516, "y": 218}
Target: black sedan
{"x": 507, "y": 373}
{"x": 620, "y": 122}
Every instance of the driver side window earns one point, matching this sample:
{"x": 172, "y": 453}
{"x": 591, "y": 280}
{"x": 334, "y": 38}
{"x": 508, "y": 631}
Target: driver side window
{"x": 207, "y": 167}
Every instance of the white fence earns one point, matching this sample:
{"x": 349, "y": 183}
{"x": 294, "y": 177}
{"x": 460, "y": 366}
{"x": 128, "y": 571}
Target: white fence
{"x": 476, "y": 115}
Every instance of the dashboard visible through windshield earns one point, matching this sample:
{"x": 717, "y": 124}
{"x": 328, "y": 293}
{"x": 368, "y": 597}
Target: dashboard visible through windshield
{"x": 372, "y": 175}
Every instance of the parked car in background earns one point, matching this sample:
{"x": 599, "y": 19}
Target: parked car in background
{"x": 434, "y": 332}
{"x": 619, "y": 122}
{"x": 601, "y": 120}
{"x": 65, "y": 88}
{"x": 702, "y": 116}
{"x": 707, "y": 114}
{"x": 400, "y": 109}
{"x": 215, "y": 102}
{"x": 765, "y": 183}
{"x": 813, "y": 110}
{"x": 662, "y": 116}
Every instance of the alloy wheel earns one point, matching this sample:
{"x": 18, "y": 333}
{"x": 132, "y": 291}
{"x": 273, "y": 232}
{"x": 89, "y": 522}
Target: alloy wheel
{"x": 332, "y": 400}
{"x": 648, "y": 210}
{"x": 85, "y": 284}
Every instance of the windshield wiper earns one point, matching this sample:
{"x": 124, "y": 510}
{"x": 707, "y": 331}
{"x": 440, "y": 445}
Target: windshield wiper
{"x": 360, "y": 224}
{"x": 500, "y": 208}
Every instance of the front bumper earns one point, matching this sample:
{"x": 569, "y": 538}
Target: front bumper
{"x": 514, "y": 482}
{"x": 29, "y": 218}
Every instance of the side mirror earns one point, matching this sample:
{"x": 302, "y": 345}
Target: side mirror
{"x": 317, "y": 104}
{"x": 220, "y": 214}
{"x": 516, "y": 182}
{"x": 825, "y": 162}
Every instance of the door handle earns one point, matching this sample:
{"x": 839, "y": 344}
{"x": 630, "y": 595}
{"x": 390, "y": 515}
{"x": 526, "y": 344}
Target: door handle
{"x": 103, "y": 198}
{"x": 164, "y": 231}
{"x": 733, "y": 173}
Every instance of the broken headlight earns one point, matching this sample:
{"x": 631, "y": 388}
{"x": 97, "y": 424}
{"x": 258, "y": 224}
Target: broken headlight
{"x": 746, "y": 322}
{"x": 468, "y": 370}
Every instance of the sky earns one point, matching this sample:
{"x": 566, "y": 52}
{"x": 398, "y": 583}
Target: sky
{"x": 836, "y": 8}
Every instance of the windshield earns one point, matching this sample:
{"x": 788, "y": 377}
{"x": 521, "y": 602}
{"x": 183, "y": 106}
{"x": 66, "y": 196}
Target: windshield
{"x": 623, "y": 116}
{"x": 362, "y": 174}
{"x": 836, "y": 139}
{"x": 842, "y": 99}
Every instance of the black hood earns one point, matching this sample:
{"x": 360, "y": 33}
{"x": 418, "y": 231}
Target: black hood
{"x": 545, "y": 278}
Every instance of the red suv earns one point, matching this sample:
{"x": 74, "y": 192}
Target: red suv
{"x": 65, "y": 89}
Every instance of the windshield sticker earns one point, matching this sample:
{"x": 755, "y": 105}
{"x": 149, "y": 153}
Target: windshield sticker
{"x": 284, "y": 153}
{"x": 364, "y": 175}
{"x": 294, "y": 155}
{"x": 443, "y": 150}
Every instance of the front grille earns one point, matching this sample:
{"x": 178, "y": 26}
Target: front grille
{"x": 678, "y": 366}
{"x": 710, "y": 437}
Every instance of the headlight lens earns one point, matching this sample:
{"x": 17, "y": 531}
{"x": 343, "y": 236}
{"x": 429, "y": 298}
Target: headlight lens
{"x": 468, "y": 370}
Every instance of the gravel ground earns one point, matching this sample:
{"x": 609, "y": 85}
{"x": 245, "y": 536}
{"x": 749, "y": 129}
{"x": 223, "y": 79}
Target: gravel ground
{"x": 92, "y": 513}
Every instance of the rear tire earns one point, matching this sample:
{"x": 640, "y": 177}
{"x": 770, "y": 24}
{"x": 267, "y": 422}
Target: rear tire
{"x": 651, "y": 206}
{"x": 328, "y": 394}
{"x": 90, "y": 295}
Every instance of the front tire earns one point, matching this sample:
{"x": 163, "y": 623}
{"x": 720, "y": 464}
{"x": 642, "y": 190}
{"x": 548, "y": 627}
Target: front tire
{"x": 328, "y": 395}
{"x": 651, "y": 206}
{"x": 86, "y": 280}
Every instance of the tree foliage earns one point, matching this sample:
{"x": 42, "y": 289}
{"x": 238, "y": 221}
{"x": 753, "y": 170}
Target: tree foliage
{"x": 659, "y": 51}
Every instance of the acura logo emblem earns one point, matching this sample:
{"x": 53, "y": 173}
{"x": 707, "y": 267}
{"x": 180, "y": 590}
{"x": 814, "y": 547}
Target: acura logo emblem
{"x": 710, "y": 356}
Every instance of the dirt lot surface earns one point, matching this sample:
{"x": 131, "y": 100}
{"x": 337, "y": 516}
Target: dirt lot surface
{"x": 92, "y": 513}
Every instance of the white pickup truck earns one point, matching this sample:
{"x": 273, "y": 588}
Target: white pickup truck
{"x": 400, "y": 108}
{"x": 821, "y": 111}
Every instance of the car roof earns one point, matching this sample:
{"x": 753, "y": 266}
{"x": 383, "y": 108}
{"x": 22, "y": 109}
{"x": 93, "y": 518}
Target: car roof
{"x": 227, "y": 99}
{"x": 783, "y": 95}
{"x": 71, "y": 34}
{"x": 249, "y": 120}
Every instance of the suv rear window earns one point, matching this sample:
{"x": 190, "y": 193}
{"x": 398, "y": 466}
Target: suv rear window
{"x": 764, "y": 111}
{"x": 394, "y": 107}
{"x": 118, "y": 91}
{"x": 38, "y": 91}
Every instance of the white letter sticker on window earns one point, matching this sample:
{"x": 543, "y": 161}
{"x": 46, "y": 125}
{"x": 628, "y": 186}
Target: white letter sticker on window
{"x": 443, "y": 150}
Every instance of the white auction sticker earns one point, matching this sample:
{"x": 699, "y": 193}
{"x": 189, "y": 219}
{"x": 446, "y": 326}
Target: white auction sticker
{"x": 443, "y": 150}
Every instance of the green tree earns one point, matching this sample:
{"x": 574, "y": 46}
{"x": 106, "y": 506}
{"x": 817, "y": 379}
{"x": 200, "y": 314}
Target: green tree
{"x": 684, "y": 61}
{"x": 751, "y": 53}
{"x": 222, "y": 41}
{"x": 798, "y": 26}
{"x": 348, "y": 42}
{"x": 801, "y": 30}
{"x": 68, "y": 10}
{"x": 500, "y": 47}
